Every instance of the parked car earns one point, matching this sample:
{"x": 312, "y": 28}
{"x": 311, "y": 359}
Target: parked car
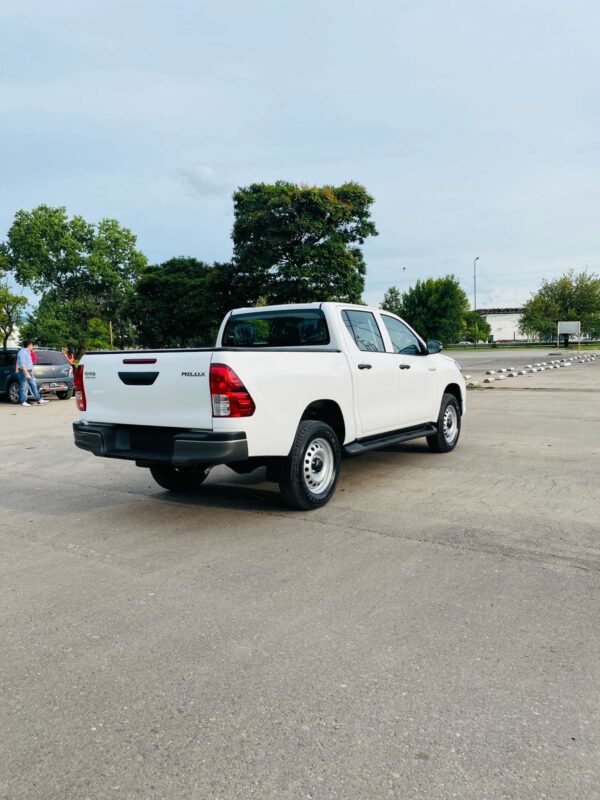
{"x": 52, "y": 372}
{"x": 286, "y": 387}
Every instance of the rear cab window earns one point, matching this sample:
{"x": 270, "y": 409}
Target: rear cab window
{"x": 303, "y": 328}
{"x": 46, "y": 358}
{"x": 364, "y": 329}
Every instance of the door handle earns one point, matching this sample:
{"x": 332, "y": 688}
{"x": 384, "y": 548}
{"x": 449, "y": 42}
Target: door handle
{"x": 364, "y": 366}
{"x": 404, "y": 366}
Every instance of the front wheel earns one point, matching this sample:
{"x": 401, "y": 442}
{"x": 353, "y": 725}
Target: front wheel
{"x": 311, "y": 470}
{"x": 179, "y": 479}
{"x": 448, "y": 426}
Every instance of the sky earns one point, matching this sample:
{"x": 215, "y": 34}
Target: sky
{"x": 474, "y": 125}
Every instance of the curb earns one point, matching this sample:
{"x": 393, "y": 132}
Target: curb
{"x": 501, "y": 373}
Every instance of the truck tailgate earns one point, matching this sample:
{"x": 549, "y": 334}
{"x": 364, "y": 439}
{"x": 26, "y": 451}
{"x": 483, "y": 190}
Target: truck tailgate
{"x": 169, "y": 388}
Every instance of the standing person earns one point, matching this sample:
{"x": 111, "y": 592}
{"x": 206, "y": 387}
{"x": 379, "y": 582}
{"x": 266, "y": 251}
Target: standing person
{"x": 25, "y": 371}
{"x": 70, "y": 356}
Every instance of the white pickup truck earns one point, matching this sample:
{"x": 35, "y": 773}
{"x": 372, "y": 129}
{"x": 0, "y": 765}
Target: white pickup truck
{"x": 288, "y": 387}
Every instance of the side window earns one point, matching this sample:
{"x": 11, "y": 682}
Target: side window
{"x": 8, "y": 359}
{"x": 363, "y": 328}
{"x": 403, "y": 340}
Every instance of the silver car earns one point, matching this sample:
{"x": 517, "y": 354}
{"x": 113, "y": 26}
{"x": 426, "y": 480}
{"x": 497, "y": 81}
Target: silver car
{"x": 52, "y": 372}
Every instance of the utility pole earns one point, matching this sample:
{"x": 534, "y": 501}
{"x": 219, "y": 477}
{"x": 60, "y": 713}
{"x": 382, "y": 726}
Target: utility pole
{"x": 475, "y": 260}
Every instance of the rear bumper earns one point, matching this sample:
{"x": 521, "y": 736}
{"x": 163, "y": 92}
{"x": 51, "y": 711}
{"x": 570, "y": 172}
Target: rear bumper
{"x": 152, "y": 445}
{"x": 54, "y": 385}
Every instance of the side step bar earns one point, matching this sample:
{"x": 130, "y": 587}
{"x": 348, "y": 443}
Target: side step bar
{"x": 364, "y": 445}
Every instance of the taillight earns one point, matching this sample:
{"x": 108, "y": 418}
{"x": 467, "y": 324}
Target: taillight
{"x": 229, "y": 395}
{"x": 79, "y": 388}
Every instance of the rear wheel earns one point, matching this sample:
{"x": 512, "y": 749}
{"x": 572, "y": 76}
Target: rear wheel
{"x": 311, "y": 470}
{"x": 448, "y": 426}
{"x": 179, "y": 479}
{"x": 13, "y": 392}
{"x": 65, "y": 395}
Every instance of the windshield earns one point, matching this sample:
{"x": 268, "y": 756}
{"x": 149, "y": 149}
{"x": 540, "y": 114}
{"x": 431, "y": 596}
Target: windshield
{"x": 305, "y": 328}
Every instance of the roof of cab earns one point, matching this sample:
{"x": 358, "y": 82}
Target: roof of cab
{"x": 296, "y": 306}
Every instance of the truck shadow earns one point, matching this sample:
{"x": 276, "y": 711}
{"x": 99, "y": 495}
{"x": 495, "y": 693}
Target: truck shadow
{"x": 244, "y": 492}
{"x": 252, "y": 492}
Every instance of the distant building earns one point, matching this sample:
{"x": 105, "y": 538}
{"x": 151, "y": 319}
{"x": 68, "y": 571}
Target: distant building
{"x": 504, "y": 323}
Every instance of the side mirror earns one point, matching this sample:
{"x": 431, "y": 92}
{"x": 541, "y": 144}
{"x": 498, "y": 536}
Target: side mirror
{"x": 433, "y": 346}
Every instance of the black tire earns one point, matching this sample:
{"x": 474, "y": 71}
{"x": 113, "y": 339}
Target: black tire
{"x": 65, "y": 395}
{"x": 12, "y": 392}
{"x": 448, "y": 426}
{"x": 310, "y": 472}
{"x": 179, "y": 479}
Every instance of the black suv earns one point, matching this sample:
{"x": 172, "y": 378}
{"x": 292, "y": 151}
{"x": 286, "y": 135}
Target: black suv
{"x": 52, "y": 372}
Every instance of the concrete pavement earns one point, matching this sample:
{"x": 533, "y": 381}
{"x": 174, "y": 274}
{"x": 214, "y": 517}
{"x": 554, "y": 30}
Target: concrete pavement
{"x": 431, "y": 633}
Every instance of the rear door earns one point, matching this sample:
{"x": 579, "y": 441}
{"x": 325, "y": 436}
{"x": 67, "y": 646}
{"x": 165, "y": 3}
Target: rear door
{"x": 166, "y": 389}
{"x": 8, "y": 360}
{"x": 374, "y": 376}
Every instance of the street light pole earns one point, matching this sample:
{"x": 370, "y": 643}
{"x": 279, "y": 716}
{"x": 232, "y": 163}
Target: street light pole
{"x": 475, "y": 260}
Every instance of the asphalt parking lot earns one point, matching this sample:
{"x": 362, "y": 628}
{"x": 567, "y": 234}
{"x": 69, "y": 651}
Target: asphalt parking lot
{"x": 432, "y": 633}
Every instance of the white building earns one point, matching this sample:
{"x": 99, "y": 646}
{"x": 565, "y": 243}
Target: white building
{"x": 504, "y": 323}
{"x": 14, "y": 340}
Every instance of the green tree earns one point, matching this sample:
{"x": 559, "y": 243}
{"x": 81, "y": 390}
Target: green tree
{"x": 436, "y": 308}
{"x": 475, "y": 327}
{"x": 181, "y": 303}
{"x": 392, "y": 301}
{"x": 57, "y": 324}
{"x": 52, "y": 324}
{"x": 572, "y": 297}
{"x": 300, "y": 243}
{"x": 88, "y": 271}
{"x": 12, "y": 308}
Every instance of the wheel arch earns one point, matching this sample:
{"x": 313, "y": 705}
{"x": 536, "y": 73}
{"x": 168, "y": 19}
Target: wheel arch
{"x": 455, "y": 390}
{"x": 327, "y": 411}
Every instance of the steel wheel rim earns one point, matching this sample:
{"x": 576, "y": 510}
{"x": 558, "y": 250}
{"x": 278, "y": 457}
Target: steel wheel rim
{"x": 450, "y": 424}
{"x": 318, "y": 466}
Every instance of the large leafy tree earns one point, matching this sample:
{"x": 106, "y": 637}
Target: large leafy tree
{"x": 89, "y": 269}
{"x": 55, "y": 323}
{"x": 181, "y": 302}
{"x": 475, "y": 327}
{"x": 300, "y": 243}
{"x": 436, "y": 308}
{"x": 12, "y": 309}
{"x": 572, "y": 297}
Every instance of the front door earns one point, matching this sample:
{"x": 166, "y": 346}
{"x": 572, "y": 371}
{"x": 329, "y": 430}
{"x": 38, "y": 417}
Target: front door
{"x": 418, "y": 395}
